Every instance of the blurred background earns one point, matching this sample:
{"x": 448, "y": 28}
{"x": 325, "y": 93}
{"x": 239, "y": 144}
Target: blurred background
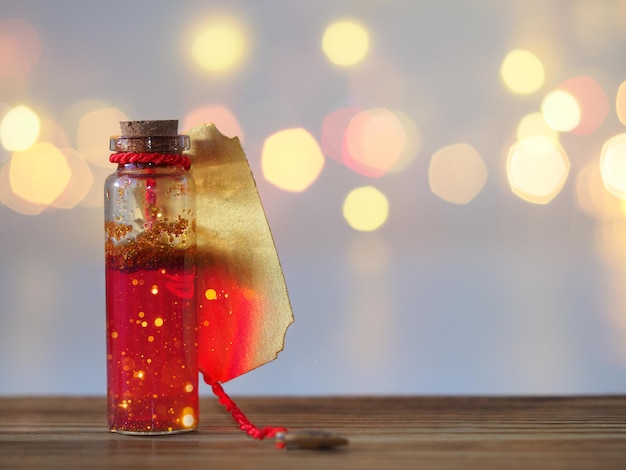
{"x": 445, "y": 182}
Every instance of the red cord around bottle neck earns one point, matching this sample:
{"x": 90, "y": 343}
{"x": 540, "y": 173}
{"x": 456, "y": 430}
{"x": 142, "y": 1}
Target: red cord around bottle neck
{"x": 151, "y": 157}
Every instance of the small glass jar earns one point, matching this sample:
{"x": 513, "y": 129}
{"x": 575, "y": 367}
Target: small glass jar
{"x": 152, "y": 349}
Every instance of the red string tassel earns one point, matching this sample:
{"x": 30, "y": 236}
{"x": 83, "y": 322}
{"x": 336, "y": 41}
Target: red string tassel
{"x": 241, "y": 419}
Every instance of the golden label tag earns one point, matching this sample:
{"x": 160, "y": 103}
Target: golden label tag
{"x": 242, "y": 302}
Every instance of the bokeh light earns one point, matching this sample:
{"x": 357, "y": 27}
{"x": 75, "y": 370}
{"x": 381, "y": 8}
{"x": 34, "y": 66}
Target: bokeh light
{"x": 80, "y": 181}
{"x": 51, "y": 131}
{"x": 12, "y": 200}
{"x": 334, "y": 130}
{"x": 20, "y": 48}
{"x": 412, "y": 145}
{"x": 457, "y": 173}
{"x": 345, "y": 43}
{"x": 522, "y": 72}
{"x": 366, "y": 208}
{"x": 39, "y": 174}
{"x": 620, "y": 103}
{"x": 374, "y": 141}
{"x": 94, "y": 130}
{"x": 219, "y": 46}
{"x": 534, "y": 124}
{"x": 613, "y": 165}
{"x": 291, "y": 159}
{"x": 592, "y": 196}
{"x": 19, "y": 128}
{"x": 370, "y": 142}
{"x": 4, "y": 154}
{"x": 592, "y": 101}
{"x": 537, "y": 168}
{"x": 561, "y": 110}
{"x": 219, "y": 115}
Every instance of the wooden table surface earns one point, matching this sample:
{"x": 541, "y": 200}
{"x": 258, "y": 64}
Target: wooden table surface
{"x": 384, "y": 432}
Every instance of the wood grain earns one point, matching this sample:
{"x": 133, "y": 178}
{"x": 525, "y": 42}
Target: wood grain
{"x": 384, "y": 432}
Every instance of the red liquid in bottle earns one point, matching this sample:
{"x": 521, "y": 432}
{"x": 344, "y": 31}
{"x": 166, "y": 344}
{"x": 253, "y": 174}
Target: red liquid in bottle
{"x": 151, "y": 342}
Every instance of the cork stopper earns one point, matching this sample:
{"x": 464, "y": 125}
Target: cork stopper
{"x": 149, "y": 128}
{"x": 149, "y": 136}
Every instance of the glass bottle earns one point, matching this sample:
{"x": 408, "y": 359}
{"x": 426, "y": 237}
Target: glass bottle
{"x": 152, "y": 372}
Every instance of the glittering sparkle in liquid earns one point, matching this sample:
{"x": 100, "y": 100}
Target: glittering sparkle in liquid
{"x": 151, "y": 350}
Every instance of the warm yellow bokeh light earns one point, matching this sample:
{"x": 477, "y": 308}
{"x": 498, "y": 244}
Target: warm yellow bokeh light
{"x": 592, "y": 195}
{"x": 51, "y": 131}
{"x": 4, "y": 154}
{"x": 39, "y": 174}
{"x": 613, "y": 165}
{"x": 291, "y": 159}
{"x": 374, "y": 141}
{"x": 561, "y": 111}
{"x": 534, "y": 124}
{"x": 457, "y": 173}
{"x": 94, "y": 130}
{"x": 80, "y": 182}
{"x": 188, "y": 418}
{"x": 522, "y": 72}
{"x": 412, "y": 142}
{"x": 620, "y": 103}
{"x": 219, "y": 46}
{"x": 19, "y": 128}
{"x": 366, "y": 208}
{"x": 345, "y": 43}
{"x": 11, "y": 200}
{"x": 537, "y": 168}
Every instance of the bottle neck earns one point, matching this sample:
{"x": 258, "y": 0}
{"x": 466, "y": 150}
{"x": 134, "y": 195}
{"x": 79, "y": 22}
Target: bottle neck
{"x": 150, "y": 168}
{"x": 169, "y": 144}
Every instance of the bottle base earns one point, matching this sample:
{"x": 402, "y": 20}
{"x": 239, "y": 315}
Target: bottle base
{"x": 152, "y": 433}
